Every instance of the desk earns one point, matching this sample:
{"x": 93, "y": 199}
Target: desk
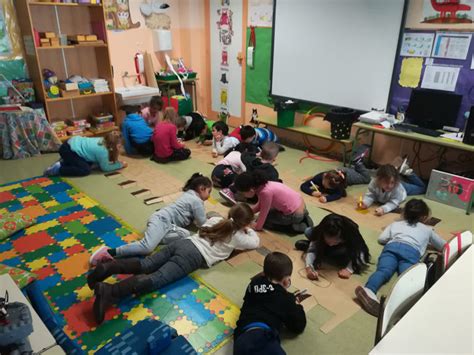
{"x": 363, "y": 128}
{"x": 41, "y": 339}
{"x": 441, "y": 321}
{"x": 314, "y": 132}
{"x": 168, "y": 84}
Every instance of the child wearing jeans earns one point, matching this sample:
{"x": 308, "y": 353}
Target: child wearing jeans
{"x": 167, "y": 224}
{"x": 136, "y": 132}
{"x": 152, "y": 113}
{"x": 268, "y": 306}
{"x": 80, "y": 154}
{"x": 280, "y": 207}
{"x": 336, "y": 240}
{"x": 214, "y": 242}
{"x": 405, "y": 242}
{"x": 385, "y": 189}
{"x": 221, "y": 142}
{"x": 167, "y": 147}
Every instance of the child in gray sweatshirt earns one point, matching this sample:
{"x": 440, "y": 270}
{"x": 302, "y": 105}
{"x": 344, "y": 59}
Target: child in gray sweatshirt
{"x": 405, "y": 242}
{"x": 385, "y": 189}
{"x": 167, "y": 224}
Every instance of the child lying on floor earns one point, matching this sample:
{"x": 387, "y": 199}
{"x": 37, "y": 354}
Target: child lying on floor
{"x": 216, "y": 240}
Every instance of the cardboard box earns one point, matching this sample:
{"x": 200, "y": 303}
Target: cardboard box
{"x": 54, "y": 42}
{"x": 76, "y": 38}
{"x": 68, "y": 86}
{"x": 47, "y": 34}
{"x": 91, "y": 38}
{"x": 44, "y": 40}
{"x": 70, "y": 93}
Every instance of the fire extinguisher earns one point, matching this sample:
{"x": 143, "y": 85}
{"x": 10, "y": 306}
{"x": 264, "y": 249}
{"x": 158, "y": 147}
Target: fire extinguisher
{"x": 139, "y": 66}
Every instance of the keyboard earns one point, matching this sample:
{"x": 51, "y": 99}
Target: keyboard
{"x": 403, "y": 127}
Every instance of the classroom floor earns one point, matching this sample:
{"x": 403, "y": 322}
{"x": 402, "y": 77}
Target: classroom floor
{"x": 353, "y": 336}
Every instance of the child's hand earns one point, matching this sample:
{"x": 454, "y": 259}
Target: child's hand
{"x": 311, "y": 273}
{"x": 208, "y": 142}
{"x": 316, "y": 194}
{"x": 344, "y": 273}
{"x": 124, "y": 164}
{"x": 379, "y": 211}
{"x": 361, "y": 206}
{"x": 323, "y": 199}
{"x": 214, "y": 154}
{"x": 218, "y": 137}
{"x": 227, "y": 171}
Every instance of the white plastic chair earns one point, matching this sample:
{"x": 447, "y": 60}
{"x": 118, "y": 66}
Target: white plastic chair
{"x": 454, "y": 248}
{"x": 404, "y": 294}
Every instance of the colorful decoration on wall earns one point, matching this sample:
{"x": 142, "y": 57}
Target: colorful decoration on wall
{"x": 117, "y": 13}
{"x": 448, "y": 11}
{"x": 260, "y": 13}
{"x": 155, "y": 15}
{"x": 450, "y": 189}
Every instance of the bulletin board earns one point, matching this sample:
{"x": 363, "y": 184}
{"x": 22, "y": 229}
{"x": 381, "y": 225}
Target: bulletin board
{"x": 257, "y": 87}
{"x": 464, "y": 86}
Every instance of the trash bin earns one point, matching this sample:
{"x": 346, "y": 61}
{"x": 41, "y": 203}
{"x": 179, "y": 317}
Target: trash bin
{"x": 286, "y": 118}
{"x": 341, "y": 122}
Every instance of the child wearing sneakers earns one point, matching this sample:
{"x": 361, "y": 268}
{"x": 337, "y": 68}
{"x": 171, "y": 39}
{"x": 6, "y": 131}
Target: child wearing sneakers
{"x": 411, "y": 182}
{"x": 227, "y": 169}
{"x": 405, "y": 242}
{"x": 214, "y": 242}
{"x": 167, "y": 224}
{"x": 268, "y": 306}
{"x": 221, "y": 142}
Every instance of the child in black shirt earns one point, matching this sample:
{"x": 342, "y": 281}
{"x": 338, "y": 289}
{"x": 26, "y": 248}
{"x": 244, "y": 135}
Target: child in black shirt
{"x": 267, "y": 307}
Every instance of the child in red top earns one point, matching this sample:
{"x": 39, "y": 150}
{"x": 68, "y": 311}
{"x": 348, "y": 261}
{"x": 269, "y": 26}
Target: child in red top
{"x": 167, "y": 147}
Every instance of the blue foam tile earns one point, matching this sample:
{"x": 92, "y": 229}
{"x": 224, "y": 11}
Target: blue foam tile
{"x": 57, "y": 214}
{"x": 180, "y": 288}
{"x": 111, "y": 239}
{"x": 58, "y": 256}
{"x": 15, "y": 207}
{"x": 62, "y": 236}
{"x": 104, "y": 225}
{"x": 19, "y": 193}
{"x": 13, "y": 262}
{"x": 5, "y": 246}
{"x": 196, "y": 312}
{"x": 49, "y": 282}
{"x": 58, "y": 187}
{"x": 65, "y": 301}
{"x": 62, "y": 197}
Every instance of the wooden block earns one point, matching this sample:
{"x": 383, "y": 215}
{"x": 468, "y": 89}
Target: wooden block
{"x": 142, "y": 192}
{"x": 47, "y": 34}
{"x": 76, "y": 38}
{"x": 113, "y": 175}
{"x": 152, "y": 200}
{"x": 46, "y": 44}
{"x": 91, "y": 38}
{"x": 54, "y": 42}
{"x": 128, "y": 183}
{"x": 44, "y": 40}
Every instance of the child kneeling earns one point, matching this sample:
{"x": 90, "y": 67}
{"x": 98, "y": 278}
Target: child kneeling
{"x": 216, "y": 240}
{"x": 267, "y": 307}
{"x": 405, "y": 242}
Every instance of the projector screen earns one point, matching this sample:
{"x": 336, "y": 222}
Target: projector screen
{"x": 336, "y": 52}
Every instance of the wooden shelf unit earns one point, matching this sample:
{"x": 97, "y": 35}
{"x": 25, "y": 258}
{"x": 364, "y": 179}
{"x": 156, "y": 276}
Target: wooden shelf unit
{"x": 88, "y": 60}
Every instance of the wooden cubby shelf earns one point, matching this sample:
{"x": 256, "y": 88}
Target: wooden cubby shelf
{"x": 78, "y": 97}
{"x": 37, "y": 3}
{"x": 95, "y": 45}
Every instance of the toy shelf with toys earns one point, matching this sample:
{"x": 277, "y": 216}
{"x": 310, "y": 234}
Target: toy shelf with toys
{"x": 66, "y": 50}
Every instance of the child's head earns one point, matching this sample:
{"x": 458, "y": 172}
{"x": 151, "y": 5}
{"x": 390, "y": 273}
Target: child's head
{"x": 112, "y": 141}
{"x": 246, "y": 147}
{"x": 170, "y": 115}
{"x": 247, "y": 183}
{"x": 278, "y": 267}
{"x": 416, "y": 211}
{"x": 330, "y": 227}
{"x": 240, "y": 216}
{"x": 335, "y": 180}
{"x": 180, "y": 123}
{"x": 129, "y": 109}
{"x": 387, "y": 177}
{"x": 201, "y": 184}
{"x": 269, "y": 151}
{"x": 156, "y": 105}
{"x": 247, "y": 133}
{"x": 220, "y": 128}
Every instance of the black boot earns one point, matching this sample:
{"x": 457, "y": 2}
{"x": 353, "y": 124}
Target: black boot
{"x": 108, "y": 294}
{"x": 118, "y": 266}
{"x": 302, "y": 245}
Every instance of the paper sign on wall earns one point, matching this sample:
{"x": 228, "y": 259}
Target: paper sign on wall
{"x": 440, "y": 78}
{"x": 417, "y": 44}
{"x": 410, "y": 72}
{"x": 451, "y": 45}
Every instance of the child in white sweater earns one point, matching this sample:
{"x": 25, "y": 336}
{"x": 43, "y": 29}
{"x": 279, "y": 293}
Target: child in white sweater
{"x": 216, "y": 240}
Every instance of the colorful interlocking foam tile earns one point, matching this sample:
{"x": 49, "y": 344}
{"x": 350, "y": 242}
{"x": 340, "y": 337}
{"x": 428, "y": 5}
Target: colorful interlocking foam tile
{"x": 70, "y": 226}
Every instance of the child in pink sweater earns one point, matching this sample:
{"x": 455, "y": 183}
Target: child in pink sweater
{"x": 167, "y": 147}
{"x": 280, "y": 207}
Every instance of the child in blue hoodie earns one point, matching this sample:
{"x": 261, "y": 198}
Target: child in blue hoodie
{"x": 136, "y": 132}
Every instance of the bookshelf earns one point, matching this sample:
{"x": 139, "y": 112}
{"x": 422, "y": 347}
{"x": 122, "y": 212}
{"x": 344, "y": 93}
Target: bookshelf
{"x": 90, "y": 60}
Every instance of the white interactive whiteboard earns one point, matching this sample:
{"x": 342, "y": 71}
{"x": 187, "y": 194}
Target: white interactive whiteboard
{"x": 336, "y": 52}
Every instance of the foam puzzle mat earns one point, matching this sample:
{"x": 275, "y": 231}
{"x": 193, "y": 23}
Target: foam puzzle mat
{"x": 70, "y": 226}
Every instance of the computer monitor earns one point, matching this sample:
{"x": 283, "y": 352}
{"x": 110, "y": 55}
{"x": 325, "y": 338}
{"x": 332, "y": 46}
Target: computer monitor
{"x": 432, "y": 108}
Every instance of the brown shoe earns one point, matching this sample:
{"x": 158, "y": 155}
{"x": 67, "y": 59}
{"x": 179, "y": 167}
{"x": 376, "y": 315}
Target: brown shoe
{"x": 370, "y": 305}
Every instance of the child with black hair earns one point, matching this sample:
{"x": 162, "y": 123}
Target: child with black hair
{"x": 153, "y": 112}
{"x": 191, "y": 126}
{"x": 167, "y": 147}
{"x": 405, "y": 242}
{"x": 136, "y": 132}
{"x": 336, "y": 239}
{"x": 215, "y": 241}
{"x": 268, "y": 306}
{"x": 385, "y": 189}
{"x": 280, "y": 207}
{"x": 263, "y": 161}
{"x": 168, "y": 223}
{"x": 221, "y": 142}
{"x": 227, "y": 169}
{"x": 244, "y": 133}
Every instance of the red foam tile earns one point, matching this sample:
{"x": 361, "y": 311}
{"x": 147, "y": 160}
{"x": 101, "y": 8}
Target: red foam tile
{"x": 78, "y": 248}
{"x": 45, "y": 272}
{"x": 74, "y": 216}
{"x": 30, "y": 203}
{"x": 35, "y": 181}
{"x": 32, "y": 242}
{"x": 6, "y": 196}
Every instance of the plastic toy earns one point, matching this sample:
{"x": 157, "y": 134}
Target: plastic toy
{"x": 50, "y": 83}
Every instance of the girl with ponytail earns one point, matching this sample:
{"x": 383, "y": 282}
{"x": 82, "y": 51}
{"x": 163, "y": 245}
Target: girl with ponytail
{"x": 216, "y": 240}
{"x": 167, "y": 224}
